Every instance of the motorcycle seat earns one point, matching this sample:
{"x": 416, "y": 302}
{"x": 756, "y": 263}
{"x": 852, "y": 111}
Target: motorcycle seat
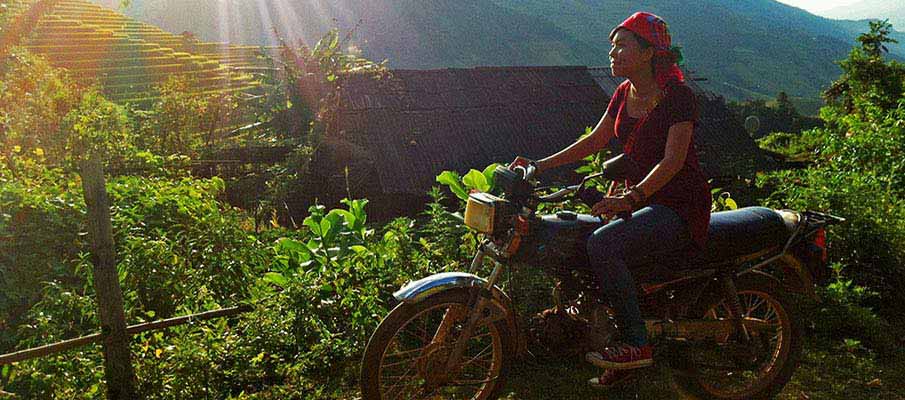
{"x": 741, "y": 232}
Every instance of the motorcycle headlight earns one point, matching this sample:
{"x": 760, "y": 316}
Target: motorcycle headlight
{"x": 486, "y": 213}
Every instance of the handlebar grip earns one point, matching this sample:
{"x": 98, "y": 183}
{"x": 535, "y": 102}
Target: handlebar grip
{"x": 528, "y": 171}
{"x": 531, "y": 170}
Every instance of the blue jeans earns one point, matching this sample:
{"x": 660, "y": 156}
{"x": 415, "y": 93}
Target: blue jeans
{"x": 653, "y": 231}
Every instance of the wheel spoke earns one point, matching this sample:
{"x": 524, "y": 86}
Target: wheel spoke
{"x": 489, "y": 347}
{"x": 746, "y": 365}
{"x": 758, "y": 301}
{"x": 406, "y": 352}
{"x": 413, "y": 367}
{"x": 400, "y": 380}
{"x": 474, "y": 382}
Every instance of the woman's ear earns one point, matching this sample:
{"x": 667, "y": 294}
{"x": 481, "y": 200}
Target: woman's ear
{"x": 648, "y": 54}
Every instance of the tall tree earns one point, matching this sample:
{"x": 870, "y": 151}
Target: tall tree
{"x": 874, "y": 42}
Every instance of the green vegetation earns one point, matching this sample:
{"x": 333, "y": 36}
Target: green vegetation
{"x": 857, "y": 173}
{"x": 320, "y": 288}
{"x": 857, "y": 169}
{"x": 774, "y": 116}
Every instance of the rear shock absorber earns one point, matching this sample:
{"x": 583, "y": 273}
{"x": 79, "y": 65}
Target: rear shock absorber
{"x": 735, "y": 307}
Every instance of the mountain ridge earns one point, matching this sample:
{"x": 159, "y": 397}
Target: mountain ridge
{"x": 871, "y": 9}
{"x": 746, "y": 48}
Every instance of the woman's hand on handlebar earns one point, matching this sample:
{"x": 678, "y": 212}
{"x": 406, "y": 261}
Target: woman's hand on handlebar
{"x": 529, "y": 168}
{"x": 520, "y": 162}
{"x": 611, "y": 206}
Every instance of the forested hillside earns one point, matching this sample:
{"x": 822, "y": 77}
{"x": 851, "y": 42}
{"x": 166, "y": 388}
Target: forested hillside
{"x": 751, "y": 48}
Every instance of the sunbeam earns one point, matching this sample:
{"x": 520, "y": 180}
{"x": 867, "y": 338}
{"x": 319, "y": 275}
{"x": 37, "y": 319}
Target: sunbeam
{"x": 267, "y": 22}
{"x": 223, "y": 21}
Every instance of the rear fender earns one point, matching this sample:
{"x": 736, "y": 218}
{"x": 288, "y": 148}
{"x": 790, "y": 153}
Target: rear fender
{"x": 797, "y": 276}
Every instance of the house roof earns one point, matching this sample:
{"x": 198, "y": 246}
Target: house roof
{"x": 418, "y": 123}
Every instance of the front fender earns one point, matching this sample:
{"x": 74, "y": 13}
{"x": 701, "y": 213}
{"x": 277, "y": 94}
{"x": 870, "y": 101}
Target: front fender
{"x": 414, "y": 292}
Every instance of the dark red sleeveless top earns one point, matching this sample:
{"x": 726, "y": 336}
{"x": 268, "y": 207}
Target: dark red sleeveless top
{"x": 644, "y": 141}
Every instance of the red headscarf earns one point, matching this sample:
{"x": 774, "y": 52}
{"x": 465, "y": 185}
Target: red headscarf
{"x": 654, "y": 30}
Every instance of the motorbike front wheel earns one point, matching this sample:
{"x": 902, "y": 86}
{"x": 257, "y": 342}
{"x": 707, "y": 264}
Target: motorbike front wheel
{"x": 758, "y": 369}
{"x": 408, "y": 356}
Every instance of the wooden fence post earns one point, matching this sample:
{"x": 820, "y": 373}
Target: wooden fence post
{"x": 117, "y": 364}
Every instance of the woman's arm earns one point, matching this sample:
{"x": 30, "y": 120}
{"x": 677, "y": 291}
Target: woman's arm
{"x": 673, "y": 159}
{"x": 599, "y": 137}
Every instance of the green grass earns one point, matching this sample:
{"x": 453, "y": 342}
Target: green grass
{"x": 566, "y": 379}
{"x": 827, "y": 371}
{"x": 835, "y": 373}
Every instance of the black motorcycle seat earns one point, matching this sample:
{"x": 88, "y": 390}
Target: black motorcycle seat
{"x": 741, "y": 232}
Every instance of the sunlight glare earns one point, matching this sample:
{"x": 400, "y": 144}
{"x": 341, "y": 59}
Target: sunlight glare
{"x": 267, "y": 22}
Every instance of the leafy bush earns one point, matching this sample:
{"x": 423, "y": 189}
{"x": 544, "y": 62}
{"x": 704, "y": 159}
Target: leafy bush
{"x": 41, "y": 217}
{"x": 858, "y": 172}
{"x": 794, "y": 146}
{"x": 180, "y": 248}
{"x": 185, "y": 122}
{"x": 779, "y": 115}
{"x": 180, "y": 251}
{"x": 34, "y": 100}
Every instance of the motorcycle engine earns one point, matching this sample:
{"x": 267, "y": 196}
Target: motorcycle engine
{"x": 567, "y": 331}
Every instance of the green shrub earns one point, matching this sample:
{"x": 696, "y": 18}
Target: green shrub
{"x": 41, "y": 220}
{"x": 858, "y": 172}
{"x": 34, "y": 100}
{"x": 185, "y": 122}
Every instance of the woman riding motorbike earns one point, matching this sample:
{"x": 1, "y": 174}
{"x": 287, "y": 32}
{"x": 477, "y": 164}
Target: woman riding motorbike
{"x": 653, "y": 114}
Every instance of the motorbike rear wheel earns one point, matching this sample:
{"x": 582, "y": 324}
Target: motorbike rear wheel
{"x": 759, "y": 369}
{"x": 405, "y": 359}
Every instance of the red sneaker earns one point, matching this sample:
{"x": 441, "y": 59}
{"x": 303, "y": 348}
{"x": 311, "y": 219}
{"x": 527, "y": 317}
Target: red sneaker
{"x": 612, "y": 378}
{"x": 622, "y": 356}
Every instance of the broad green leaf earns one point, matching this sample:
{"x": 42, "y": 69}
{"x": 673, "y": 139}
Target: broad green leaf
{"x": 488, "y": 174}
{"x": 474, "y": 179}
{"x": 451, "y": 179}
{"x": 326, "y": 227}
{"x": 276, "y": 278}
{"x": 346, "y": 216}
{"x": 731, "y": 204}
{"x": 326, "y": 290}
{"x": 298, "y": 251}
{"x": 313, "y": 225}
{"x": 357, "y": 207}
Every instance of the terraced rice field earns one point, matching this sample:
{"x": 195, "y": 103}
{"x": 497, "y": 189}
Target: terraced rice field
{"x": 128, "y": 58}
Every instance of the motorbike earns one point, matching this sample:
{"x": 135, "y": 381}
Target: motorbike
{"x": 722, "y": 318}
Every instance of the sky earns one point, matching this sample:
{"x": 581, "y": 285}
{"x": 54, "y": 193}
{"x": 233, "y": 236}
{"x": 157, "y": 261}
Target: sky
{"x": 816, "y": 6}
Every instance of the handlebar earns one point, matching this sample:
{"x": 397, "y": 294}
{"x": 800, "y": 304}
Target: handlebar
{"x": 562, "y": 194}
{"x": 528, "y": 171}
{"x": 559, "y": 195}
{"x": 616, "y": 168}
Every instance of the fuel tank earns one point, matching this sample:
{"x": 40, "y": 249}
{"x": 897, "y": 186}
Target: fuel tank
{"x": 559, "y": 240}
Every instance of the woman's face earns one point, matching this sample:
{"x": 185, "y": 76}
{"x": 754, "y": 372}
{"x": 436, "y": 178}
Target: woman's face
{"x": 626, "y": 55}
